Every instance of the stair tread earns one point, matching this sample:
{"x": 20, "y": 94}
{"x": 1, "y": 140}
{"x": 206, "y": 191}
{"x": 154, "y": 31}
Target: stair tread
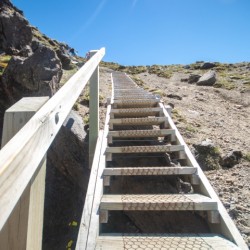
{"x": 149, "y": 171}
{"x": 145, "y": 149}
{"x": 132, "y": 96}
{"x": 136, "y": 111}
{"x": 141, "y": 121}
{"x": 164, "y": 241}
{"x": 136, "y": 102}
{"x": 157, "y": 202}
{"x": 142, "y": 133}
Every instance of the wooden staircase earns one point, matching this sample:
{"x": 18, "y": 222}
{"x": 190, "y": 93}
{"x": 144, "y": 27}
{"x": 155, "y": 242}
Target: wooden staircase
{"x": 140, "y": 140}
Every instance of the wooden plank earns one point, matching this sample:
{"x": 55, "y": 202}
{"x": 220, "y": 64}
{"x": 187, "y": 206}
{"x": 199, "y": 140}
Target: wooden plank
{"x": 149, "y": 171}
{"x": 163, "y": 202}
{"x": 145, "y": 149}
{"x": 21, "y": 156}
{"x": 89, "y": 228}
{"x": 164, "y": 241}
{"x": 18, "y": 114}
{"x": 88, "y": 204}
{"x": 227, "y": 226}
{"x": 93, "y": 110}
{"x": 23, "y": 229}
{"x": 36, "y": 208}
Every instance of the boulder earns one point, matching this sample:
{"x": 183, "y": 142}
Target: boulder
{"x": 207, "y": 155}
{"x": 207, "y": 65}
{"x": 193, "y": 78}
{"x": 208, "y": 79}
{"x": 15, "y": 32}
{"x": 231, "y": 159}
{"x": 39, "y": 73}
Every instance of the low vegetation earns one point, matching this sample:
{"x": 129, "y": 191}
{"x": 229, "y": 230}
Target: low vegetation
{"x": 4, "y": 60}
{"x": 177, "y": 116}
{"x": 247, "y": 156}
{"x": 225, "y": 84}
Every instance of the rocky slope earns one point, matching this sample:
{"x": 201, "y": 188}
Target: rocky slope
{"x": 31, "y": 64}
{"x": 211, "y": 107}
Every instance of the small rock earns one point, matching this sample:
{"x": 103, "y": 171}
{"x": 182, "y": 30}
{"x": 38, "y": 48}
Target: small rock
{"x": 193, "y": 112}
{"x": 193, "y": 78}
{"x": 246, "y": 83}
{"x": 238, "y": 106}
{"x": 184, "y": 79}
{"x": 186, "y": 66}
{"x": 174, "y": 96}
{"x": 207, "y": 65}
{"x": 171, "y": 105}
{"x": 208, "y": 79}
{"x": 231, "y": 159}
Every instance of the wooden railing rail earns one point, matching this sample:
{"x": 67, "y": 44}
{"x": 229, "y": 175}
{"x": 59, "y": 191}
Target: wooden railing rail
{"x": 21, "y": 157}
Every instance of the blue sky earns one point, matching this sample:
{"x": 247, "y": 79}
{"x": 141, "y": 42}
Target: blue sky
{"x": 146, "y": 32}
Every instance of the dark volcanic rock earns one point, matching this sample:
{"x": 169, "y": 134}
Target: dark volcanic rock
{"x": 15, "y": 32}
{"x": 193, "y": 78}
{"x": 39, "y": 73}
{"x": 66, "y": 184}
{"x": 231, "y": 159}
{"x": 174, "y": 96}
{"x": 65, "y": 59}
{"x": 208, "y": 79}
{"x": 207, "y": 65}
{"x": 207, "y": 155}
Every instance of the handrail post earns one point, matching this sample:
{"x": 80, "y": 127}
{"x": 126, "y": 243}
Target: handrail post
{"x": 24, "y": 227}
{"x": 93, "y": 111}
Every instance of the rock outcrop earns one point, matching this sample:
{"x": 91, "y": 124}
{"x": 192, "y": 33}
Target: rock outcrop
{"x": 66, "y": 183}
{"x": 38, "y": 73}
{"x": 15, "y": 31}
{"x": 35, "y": 69}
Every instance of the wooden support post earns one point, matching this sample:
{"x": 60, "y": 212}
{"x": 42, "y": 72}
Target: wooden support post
{"x": 104, "y": 215}
{"x": 169, "y": 110}
{"x": 110, "y": 139}
{"x": 106, "y": 181}
{"x": 213, "y": 216}
{"x": 23, "y": 229}
{"x": 93, "y": 111}
{"x": 108, "y": 156}
{"x": 194, "y": 179}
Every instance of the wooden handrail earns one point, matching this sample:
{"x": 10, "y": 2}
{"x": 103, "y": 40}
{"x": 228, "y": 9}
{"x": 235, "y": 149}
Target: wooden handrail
{"x": 20, "y": 157}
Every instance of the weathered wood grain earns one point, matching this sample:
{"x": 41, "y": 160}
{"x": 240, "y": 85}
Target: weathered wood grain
{"x": 20, "y": 158}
